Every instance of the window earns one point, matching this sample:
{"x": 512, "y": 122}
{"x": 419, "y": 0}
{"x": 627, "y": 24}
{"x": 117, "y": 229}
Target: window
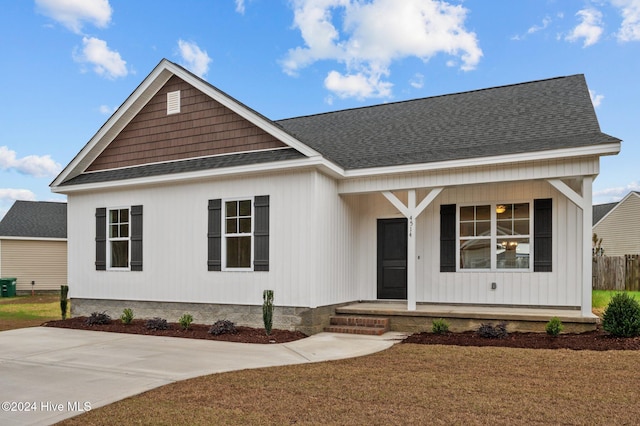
{"x": 238, "y": 229}
{"x": 495, "y": 236}
{"x": 118, "y": 243}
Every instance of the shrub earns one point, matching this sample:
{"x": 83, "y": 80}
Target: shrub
{"x": 622, "y": 316}
{"x": 64, "y": 291}
{"x": 185, "y": 321}
{"x": 440, "y": 326}
{"x": 157, "y": 323}
{"x": 223, "y": 327}
{"x": 267, "y": 310}
{"x": 490, "y": 331}
{"x": 554, "y": 326}
{"x": 127, "y": 316}
{"x": 98, "y": 318}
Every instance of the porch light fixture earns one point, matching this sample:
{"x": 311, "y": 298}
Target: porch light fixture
{"x": 501, "y": 208}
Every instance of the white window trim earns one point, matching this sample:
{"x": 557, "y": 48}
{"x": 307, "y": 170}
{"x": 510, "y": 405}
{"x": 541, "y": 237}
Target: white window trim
{"x": 224, "y": 234}
{"x": 494, "y": 238}
{"x": 109, "y": 240}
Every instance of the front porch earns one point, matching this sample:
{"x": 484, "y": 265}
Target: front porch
{"x": 469, "y": 317}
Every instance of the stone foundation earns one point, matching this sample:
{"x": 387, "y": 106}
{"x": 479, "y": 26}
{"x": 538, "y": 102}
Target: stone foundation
{"x": 307, "y": 320}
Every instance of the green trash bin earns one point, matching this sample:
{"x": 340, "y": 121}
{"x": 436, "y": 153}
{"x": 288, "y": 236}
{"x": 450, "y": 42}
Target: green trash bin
{"x": 8, "y": 287}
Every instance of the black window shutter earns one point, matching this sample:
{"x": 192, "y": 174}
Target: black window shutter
{"x": 136, "y": 238}
{"x": 101, "y": 239}
{"x": 214, "y": 236}
{"x": 261, "y": 233}
{"x": 448, "y": 238}
{"x": 542, "y": 235}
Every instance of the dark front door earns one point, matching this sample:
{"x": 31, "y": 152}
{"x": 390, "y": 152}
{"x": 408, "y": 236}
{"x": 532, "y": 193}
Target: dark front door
{"x": 392, "y": 258}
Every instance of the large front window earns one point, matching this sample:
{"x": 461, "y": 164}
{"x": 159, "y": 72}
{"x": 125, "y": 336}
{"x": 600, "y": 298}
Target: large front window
{"x": 119, "y": 238}
{"x": 238, "y": 228}
{"x": 494, "y": 236}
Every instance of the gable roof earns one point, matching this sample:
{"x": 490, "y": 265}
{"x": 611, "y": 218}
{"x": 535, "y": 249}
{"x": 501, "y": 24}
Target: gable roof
{"x": 527, "y": 117}
{"x": 35, "y": 219}
{"x": 540, "y": 119}
{"x": 600, "y": 211}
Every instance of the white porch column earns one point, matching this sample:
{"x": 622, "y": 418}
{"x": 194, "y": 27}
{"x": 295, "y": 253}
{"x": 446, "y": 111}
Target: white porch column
{"x": 411, "y": 211}
{"x": 584, "y": 202}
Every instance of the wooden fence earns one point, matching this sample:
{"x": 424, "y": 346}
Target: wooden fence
{"x": 616, "y": 272}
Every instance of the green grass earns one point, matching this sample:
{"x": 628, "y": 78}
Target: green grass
{"x": 28, "y": 311}
{"x": 601, "y": 298}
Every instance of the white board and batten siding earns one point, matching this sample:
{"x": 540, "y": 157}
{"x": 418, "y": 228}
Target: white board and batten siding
{"x": 42, "y": 261}
{"x": 304, "y": 212}
{"x": 562, "y": 287}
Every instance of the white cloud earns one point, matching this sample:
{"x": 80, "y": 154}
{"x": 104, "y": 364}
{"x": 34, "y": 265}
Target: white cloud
{"x": 616, "y": 193}
{"x": 106, "y": 62}
{"x": 240, "y": 6}
{"x": 417, "y": 81}
{"x": 106, "y": 109}
{"x": 630, "y": 27}
{"x": 16, "y": 194}
{"x": 74, "y": 13}
{"x": 596, "y": 99}
{"x": 590, "y": 28}
{"x": 33, "y": 165}
{"x": 545, "y": 23}
{"x": 373, "y": 34}
{"x": 193, "y": 58}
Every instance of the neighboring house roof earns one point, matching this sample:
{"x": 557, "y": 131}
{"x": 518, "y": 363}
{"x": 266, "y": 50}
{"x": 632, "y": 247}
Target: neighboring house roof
{"x": 510, "y": 122}
{"x": 535, "y": 116}
{"x": 600, "y": 211}
{"x": 35, "y": 219}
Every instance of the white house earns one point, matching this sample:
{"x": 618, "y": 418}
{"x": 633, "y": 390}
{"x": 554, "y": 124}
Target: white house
{"x": 186, "y": 200}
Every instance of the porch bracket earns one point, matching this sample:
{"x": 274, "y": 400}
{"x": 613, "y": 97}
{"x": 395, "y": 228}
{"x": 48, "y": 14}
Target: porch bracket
{"x": 411, "y": 211}
{"x": 584, "y": 203}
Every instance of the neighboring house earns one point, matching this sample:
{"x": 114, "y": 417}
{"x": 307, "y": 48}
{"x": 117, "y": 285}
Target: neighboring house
{"x": 192, "y": 202}
{"x": 618, "y": 224}
{"x": 33, "y": 245}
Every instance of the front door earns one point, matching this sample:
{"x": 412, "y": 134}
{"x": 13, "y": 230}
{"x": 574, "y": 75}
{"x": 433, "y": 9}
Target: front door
{"x": 392, "y": 258}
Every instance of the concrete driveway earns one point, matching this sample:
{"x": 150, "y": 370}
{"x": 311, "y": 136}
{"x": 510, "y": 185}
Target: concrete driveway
{"x": 49, "y": 374}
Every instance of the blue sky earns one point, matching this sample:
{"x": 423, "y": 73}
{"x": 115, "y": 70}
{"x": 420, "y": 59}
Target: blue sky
{"x": 67, "y": 64}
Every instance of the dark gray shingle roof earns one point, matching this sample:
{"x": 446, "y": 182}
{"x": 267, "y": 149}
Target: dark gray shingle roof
{"x": 527, "y": 117}
{"x": 601, "y": 210}
{"x": 192, "y": 165}
{"x": 35, "y": 219}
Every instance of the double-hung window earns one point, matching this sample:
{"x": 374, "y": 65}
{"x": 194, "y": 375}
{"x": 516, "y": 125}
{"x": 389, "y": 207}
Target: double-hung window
{"x": 495, "y": 236}
{"x": 118, "y": 243}
{"x": 238, "y": 233}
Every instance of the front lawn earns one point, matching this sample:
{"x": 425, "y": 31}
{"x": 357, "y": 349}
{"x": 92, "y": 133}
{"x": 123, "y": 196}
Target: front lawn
{"x": 28, "y": 311}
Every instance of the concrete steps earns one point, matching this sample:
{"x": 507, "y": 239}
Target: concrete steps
{"x": 371, "y": 326}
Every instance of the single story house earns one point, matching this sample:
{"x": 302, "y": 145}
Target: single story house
{"x": 618, "y": 224}
{"x": 194, "y": 202}
{"x": 33, "y": 245}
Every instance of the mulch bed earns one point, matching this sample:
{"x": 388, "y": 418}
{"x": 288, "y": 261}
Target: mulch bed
{"x": 594, "y": 340}
{"x": 195, "y": 331}
{"x": 597, "y": 340}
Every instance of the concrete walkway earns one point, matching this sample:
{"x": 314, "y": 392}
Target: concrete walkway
{"x": 49, "y": 374}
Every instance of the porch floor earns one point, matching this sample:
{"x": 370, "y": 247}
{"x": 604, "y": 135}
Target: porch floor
{"x": 469, "y": 317}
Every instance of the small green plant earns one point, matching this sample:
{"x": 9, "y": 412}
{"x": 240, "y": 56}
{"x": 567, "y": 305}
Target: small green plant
{"x": 64, "y": 292}
{"x": 127, "y": 316}
{"x": 554, "y": 326}
{"x": 223, "y": 327}
{"x": 622, "y": 316}
{"x": 440, "y": 326}
{"x": 185, "y": 321}
{"x": 157, "y": 323}
{"x": 490, "y": 331}
{"x": 98, "y": 318}
{"x": 267, "y": 310}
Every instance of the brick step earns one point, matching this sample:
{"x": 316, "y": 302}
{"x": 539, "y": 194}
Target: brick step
{"x": 354, "y": 329}
{"x": 372, "y": 326}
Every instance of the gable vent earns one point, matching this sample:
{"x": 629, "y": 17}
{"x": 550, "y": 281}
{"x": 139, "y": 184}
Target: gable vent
{"x": 173, "y": 102}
